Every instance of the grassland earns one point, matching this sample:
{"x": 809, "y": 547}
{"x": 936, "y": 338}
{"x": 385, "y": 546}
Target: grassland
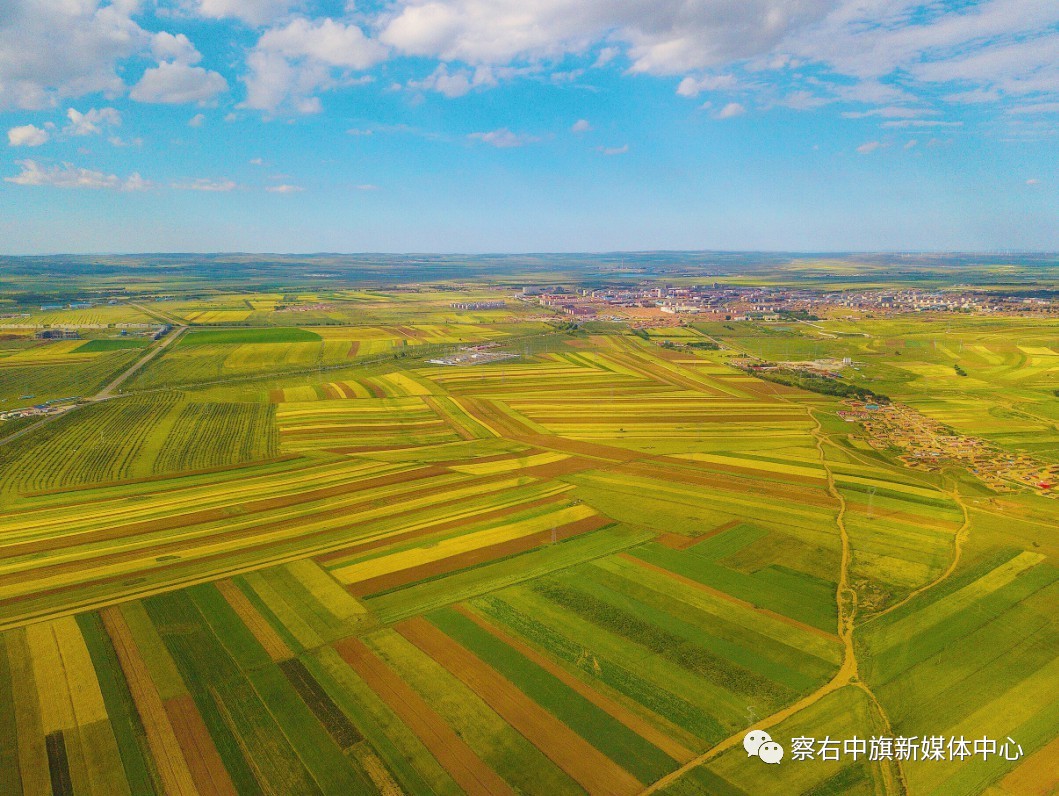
{"x": 588, "y": 569}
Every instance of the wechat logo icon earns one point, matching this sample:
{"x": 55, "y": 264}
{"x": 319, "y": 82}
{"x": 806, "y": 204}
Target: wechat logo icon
{"x": 759, "y": 743}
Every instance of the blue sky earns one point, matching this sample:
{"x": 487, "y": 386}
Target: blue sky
{"x": 528, "y": 125}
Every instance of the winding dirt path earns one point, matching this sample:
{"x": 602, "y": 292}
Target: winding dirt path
{"x": 847, "y": 674}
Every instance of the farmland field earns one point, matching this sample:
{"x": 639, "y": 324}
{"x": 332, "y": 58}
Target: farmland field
{"x": 291, "y": 555}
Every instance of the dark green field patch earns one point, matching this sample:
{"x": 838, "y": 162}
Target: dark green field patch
{"x": 797, "y": 595}
{"x": 136, "y": 758}
{"x": 790, "y": 668}
{"x": 692, "y": 657}
{"x": 645, "y": 761}
{"x": 326, "y": 711}
{"x": 616, "y": 675}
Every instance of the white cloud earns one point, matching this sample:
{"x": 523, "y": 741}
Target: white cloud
{"x": 987, "y": 49}
{"x": 1035, "y": 107}
{"x": 197, "y": 120}
{"x": 1033, "y": 181}
{"x": 613, "y": 150}
{"x": 167, "y": 47}
{"x": 290, "y": 64}
{"x": 92, "y": 121}
{"x": 253, "y": 12}
{"x": 27, "y": 135}
{"x": 284, "y": 188}
{"x": 66, "y": 175}
{"x": 693, "y": 86}
{"x": 206, "y": 184}
{"x": 911, "y": 143}
{"x": 660, "y": 37}
{"x": 175, "y": 83}
{"x": 889, "y": 112}
{"x": 118, "y": 141}
{"x": 457, "y": 83}
{"x": 730, "y": 111}
{"x": 502, "y": 138}
{"x": 581, "y": 126}
{"x": 868, "y": 147}
{"x": 367, "y": 186}
{"x": 51, "y": 49}
{"x": 257, "y": 162}
{"x": 802, "y": 100}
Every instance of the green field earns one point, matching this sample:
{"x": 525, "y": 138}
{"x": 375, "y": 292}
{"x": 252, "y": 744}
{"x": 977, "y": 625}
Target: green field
{"x": 290, "y": 555}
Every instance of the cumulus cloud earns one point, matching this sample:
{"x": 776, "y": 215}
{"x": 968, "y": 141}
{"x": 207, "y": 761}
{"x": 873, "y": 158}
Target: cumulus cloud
{"x": 581, "y": 126}
{"x": 1033, "y": 181}
{"x": 92, "y": 121}
{"x": 660, "y": 37}
{"x": 167, "y": 47}
{"x": 502, "y": 138}
{"x": 197, "y": 120}
{"x": 50, "y": 50}
{"x": 868, "y": 147}
{"x": 455, "y": 83}
{"x": 175, "y": 83}
{"x": 253, "y": 12}
{"x": 730, "y": 111}
{"x": 290, "y": 64}
{"x": 693, "y": 86}
{"x": 27, "y": 135}
{"x": 284, "y": 189}
{"x": 613, "y": 150}
{"x": 989, "y": 49}
{"x": 205, "y": 184}
{"x": 66, "y": 175}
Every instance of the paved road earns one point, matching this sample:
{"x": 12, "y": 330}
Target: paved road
{"x": 108, "y": 391}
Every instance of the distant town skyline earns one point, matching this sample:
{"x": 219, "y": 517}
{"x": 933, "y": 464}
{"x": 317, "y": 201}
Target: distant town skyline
{"x": 550, "y": 126}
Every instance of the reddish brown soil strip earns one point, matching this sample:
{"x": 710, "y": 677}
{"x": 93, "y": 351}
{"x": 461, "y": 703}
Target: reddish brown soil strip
{"x": 729, "y": 598}
{"x": 473, "y": 558}
{"x": 589, "y": 767}
{"x": 354, "y": 347}
{"x": 574, "y": 464}
{"x": 616, "y": 710}
{"x": 452, "y": 752}
{"x": 162, "y": 740}
{"x": 204, "y": 762}
{"x": 323, "y": 707}
{"x": 759, "y": 474}
{"x": 220, "y": 513}
{"x": 460, "y": 431}
{"x": 58, "y": 765}
{"x": 198, "y": 563}
{"x": 346, "y": 390}
{"x": 676, "y": 541}
{"x": 386, "y": 541}
{"x": 813, "y": 495}
{"x": 266, "y": 636}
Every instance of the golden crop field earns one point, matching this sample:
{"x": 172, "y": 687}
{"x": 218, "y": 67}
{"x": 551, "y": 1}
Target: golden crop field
{"x": 298, "y": 558}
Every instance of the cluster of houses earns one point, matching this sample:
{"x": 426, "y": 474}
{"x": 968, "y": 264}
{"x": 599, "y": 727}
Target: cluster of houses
{"x": 926, "y": 444}
{"x": 53, "y": 406}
